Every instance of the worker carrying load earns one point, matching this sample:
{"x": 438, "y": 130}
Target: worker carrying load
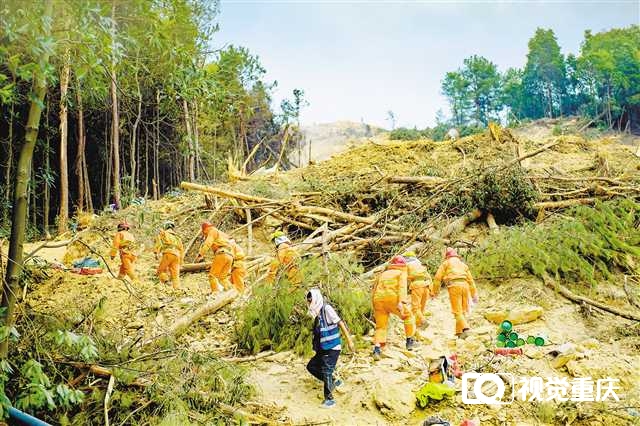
{"x": 124, "y": 243}
{"x": 419, "y": 282}
{"x": 169, "y": 245}
{"x": 238, "y": 269}
{"x": 287, "y": 259}
{"x": 220, "y": 244}
{"x": 389, "y": 296}
{"x": 457, "y": 277}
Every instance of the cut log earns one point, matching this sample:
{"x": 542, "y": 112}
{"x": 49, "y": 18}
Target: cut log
{"x": 194, "y": 267}
{"x": 228, "y": 194}
{"x": 550, "y": 282}
{"x": 182, "y": 324}
{"x": 491, "y": 222}
{"x": 564, "y": 203}
{"x": 334, "y": 213}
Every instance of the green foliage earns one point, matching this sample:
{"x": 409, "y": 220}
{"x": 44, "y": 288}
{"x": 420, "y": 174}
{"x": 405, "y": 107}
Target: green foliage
{"x": 78, "y": 345}
{"x": 276, "y": 316}
{"x": 38, "y": 392}
{"x": 544, "y": 75}
{"x": 508, "y": 194}
{"x": 584, "y": 246}
{"x": 405, "y": 134}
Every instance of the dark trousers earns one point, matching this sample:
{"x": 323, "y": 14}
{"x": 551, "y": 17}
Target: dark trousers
{"x": 321, "y": 366}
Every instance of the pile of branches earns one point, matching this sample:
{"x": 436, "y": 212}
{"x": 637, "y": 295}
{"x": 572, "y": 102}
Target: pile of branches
{"x": 411, "y": 212}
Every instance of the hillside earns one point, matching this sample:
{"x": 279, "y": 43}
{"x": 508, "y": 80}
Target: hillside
{"x": 327, "y": 139}
{"x": 506, "y": 199}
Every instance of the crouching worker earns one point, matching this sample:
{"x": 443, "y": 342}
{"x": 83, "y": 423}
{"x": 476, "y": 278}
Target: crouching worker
{"x": 460, "y": 285}
{"x": 326, "y": 343}
{"x": 124, "y": 243}
{"x": 169, "y": 245}
{"x": 287, "y": 260}
{"x": 389, "y": 296}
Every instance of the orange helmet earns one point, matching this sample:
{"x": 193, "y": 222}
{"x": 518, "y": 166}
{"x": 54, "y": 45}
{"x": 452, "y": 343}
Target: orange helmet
{"x": 398, "y": 261}
{"x": 123, "y": 225}
{"x": 205, "y": 225}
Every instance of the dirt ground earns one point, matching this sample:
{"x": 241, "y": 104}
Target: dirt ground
{"x": 374, "y": 393}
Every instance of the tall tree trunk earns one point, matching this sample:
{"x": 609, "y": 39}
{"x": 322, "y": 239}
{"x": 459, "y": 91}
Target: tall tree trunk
{"x": 79, "y": 164}
{"x": 7, "y": 190}
{"x": 192, "y": 151}
{"x": 47, "y": 171}
{"x": 146, "y": 163}
{"x": 63, "y": 215}
{"x": 115, "y": 119}
{"x": 11, "y": 285}
{"x": 134, "y": 135}
{"x": 156, "y": 150}
{"x": 108, "y": 143}
{"x": 196, "y": 138}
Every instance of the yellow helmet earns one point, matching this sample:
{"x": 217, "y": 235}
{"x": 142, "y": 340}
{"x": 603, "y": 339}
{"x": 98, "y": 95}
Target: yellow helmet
{"x": 409, "y": 254}
{"x": 276, "y": 234}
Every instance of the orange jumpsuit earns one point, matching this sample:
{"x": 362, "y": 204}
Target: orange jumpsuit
{"x": 238, "y": 270}
{"x": 124, "y": 243}
{"x": 419, "y": 288}
{"x": 220, "y": 244}
{"x": 288, "y": 258}
{"x": 389, "y": 296}
{"x": 457, "y": 277}
{"x": 169, "y": 245}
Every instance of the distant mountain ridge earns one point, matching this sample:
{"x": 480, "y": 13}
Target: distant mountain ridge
{"x": 327, "y": 139}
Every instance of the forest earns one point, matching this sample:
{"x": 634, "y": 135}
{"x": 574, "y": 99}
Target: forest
{"x": 128, "y": 98}
{"x": 600, "y": 84}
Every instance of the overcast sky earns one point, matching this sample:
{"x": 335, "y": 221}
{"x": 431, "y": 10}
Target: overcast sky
{"x": 357, "y": 60}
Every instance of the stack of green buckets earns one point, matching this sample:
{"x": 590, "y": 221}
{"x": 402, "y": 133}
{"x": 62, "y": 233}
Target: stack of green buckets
{"x": 508, "y": 338}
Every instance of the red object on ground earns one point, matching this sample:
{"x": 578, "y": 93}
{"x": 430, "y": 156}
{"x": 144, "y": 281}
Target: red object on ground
{"x": 471, "y": 422}
{"x": 508, "y": 351}
{"x": 90, "y": 271}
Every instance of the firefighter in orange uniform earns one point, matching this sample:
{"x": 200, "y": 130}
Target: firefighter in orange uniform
{"x": 220, "y": 244}
{"x": 389, "y": 296}
{"x": 238, "y": 270}
{"x": 169, "y": 245}
{"x": 287, "y": 259}
{"x": 457, "y": 277}
{"x": 419, "y": 282}
{"x": 124, "y": 243}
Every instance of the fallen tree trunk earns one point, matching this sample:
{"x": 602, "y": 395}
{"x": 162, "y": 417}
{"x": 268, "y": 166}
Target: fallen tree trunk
{"x": 194, "y": 267}
{"x": 550, "y": 282}
{"x": 564, "y": 203}
{"x": 182, "y": 324}
{"x": 418, "y": 180}
{"x": 228, "y": 194}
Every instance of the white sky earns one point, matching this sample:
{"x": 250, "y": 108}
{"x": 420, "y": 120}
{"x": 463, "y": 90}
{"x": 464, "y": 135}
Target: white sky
{"x": 357, "y": 60}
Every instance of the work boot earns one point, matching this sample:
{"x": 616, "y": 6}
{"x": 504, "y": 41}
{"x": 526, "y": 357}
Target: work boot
{"x": 377, "y": 353}
{"x": 411, "y": 343}
{"x": 464, "y": 334}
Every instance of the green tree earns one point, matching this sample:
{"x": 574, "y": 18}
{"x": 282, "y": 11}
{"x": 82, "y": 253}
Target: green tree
{"x": 456, "y": 89}
{"x": 610, "y": 61}
{"x": 544, "y": 75}
{"x": 513, "y": 94}
{"x": 482, "y": 88}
